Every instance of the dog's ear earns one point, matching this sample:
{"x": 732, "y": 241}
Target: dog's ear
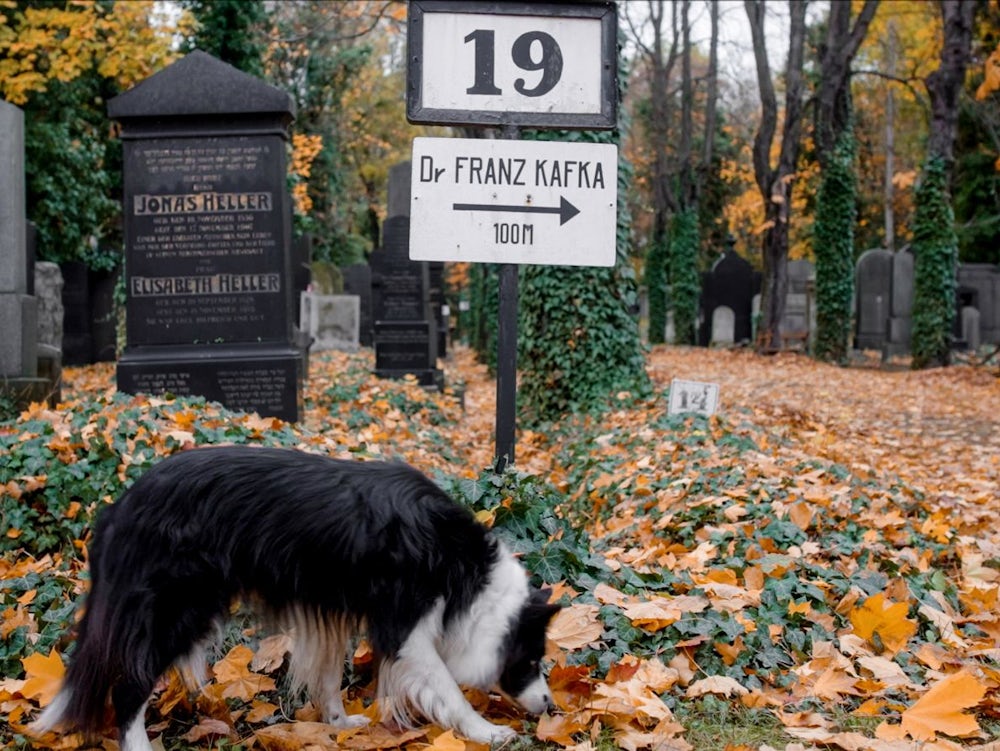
{"x": 541, "y": 605}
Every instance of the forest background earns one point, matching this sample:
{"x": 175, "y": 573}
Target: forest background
{"x": 690, "y": 545}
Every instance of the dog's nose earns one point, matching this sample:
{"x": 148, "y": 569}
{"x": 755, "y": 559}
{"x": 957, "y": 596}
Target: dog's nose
{"x": 549, "y": 704}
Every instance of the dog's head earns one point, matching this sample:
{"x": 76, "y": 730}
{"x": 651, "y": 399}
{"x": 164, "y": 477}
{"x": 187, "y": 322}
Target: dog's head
{"x": 522, "y": 679}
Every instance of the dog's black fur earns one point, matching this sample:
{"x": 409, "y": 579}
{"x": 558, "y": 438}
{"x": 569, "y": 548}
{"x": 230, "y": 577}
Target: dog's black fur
{"x": 349, "y": 544}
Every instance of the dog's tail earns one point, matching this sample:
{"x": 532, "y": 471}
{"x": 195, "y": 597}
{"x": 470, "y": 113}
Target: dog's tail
{"x": 82, "y": 702}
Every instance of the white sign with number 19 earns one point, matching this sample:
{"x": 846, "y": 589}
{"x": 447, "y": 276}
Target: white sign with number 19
{"x": 549, "y": 68}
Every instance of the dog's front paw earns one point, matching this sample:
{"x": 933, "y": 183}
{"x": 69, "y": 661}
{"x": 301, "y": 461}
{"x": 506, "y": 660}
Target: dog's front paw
{"x": 346, "y": 721}
{"x": 487, "y": 732}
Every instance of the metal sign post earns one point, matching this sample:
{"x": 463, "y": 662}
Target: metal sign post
{"x": 506, "y": 420}
{"x": 512, "y": 64}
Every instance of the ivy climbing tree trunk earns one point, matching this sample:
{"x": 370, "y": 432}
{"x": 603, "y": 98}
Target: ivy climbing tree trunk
{"x": 834, "y": 251}
{"x": 935, "y": 245}
{"x": 835, "y": 203}
{"x": 685, "y": 282}
{"x": 579, "y": 339}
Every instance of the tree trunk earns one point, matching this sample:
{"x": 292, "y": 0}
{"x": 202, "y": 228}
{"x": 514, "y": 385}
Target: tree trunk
{"x": 945, "y": 84}
{"x": 775, "y": 184}
{"x": 889, "y": 194}
{"x": 712, "y": 90}
{"x": 661, "y": 63}
{"x": 833, "y": 108}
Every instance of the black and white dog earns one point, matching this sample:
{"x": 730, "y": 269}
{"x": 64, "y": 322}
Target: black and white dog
{"x": 325, "y": 548}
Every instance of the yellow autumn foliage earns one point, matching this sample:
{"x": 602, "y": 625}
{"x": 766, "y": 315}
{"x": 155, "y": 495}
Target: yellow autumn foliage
{"x": 126, "y": 41}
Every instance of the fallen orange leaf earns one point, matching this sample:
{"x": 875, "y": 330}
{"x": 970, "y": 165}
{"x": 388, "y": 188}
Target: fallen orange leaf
{"x": 942, "y": 709}
{"x": 886, "y": 620}
{"x": 448, "y": 742}
{"x": 44, "y": 675}
{"x": 560, "y": 728}
{"x": 235, "y": 677}
{"x": 576, "y": 626}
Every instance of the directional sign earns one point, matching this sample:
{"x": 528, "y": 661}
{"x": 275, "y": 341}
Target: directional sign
{"x": 515, "y": 63}
{"x": 498, "y": 201}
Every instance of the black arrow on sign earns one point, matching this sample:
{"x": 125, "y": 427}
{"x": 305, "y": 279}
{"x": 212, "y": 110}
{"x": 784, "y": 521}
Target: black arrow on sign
{"x": 566, "y": 210}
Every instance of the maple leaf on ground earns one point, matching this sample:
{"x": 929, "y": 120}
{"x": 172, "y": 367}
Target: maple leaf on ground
{"x": 236, "y": 679}
{"x": 207, "y": 727}
{"x": 43, "y": 676}
{"x": 879, "y": 621}
{"x": 833, "y": 684}
{"x": 447, "y": 741}
{"x": 560, "y": 728}
{"x": 295, "y": 736}
{"x": 660, "y": 612}
{"x": 260, "y": 711}
{"x": 943, "y": 709}
{"x": 631, "y": 698}
{"x": 717, "y": 684}
{"x": 576, "y": 627}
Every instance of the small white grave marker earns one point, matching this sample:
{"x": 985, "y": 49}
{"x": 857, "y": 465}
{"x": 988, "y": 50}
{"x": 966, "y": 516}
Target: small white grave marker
{"x": 693, "y": 397}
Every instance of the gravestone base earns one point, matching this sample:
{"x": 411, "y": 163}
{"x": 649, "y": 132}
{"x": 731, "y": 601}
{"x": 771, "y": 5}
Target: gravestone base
{"x": 18, "y": 346}
{"x": 24, "y": 391}
{"x": 252, "y": 378}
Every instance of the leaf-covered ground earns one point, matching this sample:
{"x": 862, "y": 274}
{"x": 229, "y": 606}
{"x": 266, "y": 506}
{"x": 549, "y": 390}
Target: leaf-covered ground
{"x": 817, "y": 566}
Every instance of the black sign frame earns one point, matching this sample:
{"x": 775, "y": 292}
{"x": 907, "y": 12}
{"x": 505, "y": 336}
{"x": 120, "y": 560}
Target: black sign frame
{"x": 603, "y": 10}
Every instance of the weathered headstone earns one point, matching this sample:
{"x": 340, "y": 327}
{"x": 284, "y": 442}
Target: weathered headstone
{"x": 358, "y": 281}
{"x": 209, "y": 287}
{"x": 723, "y": 326}
{"x": 48, "y": 291}
{"x": 19, "y": 376}
{"x": 18, "y": 310}
{"x": 332, "y": 321}
{"x": 970, "y": 322}
{"x": 798, "y": 321}
{"x": 731, "y": 283}
{"x": 901, "y": 304}
{"x": 873, "y": 285}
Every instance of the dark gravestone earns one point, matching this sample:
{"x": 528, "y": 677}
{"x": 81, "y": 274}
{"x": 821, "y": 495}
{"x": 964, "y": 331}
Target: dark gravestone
{"x": 436, "y": 276}
{"x": 103, "y": 317}
{"x": 984, "y": 278}
{"x": 901, "y": 304}
{"x": 358, "y": 281}
{"x": 77, "y": 337}
{"x": 210, "y": 291}
{"x": 90, "y": 321}
{"x": 965, "y": 298}
{"x": 873, "y": 282}
{"x": 732, "y": 283}
{"x": 301, "y": 268}
{"x": 405, "y": 331}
